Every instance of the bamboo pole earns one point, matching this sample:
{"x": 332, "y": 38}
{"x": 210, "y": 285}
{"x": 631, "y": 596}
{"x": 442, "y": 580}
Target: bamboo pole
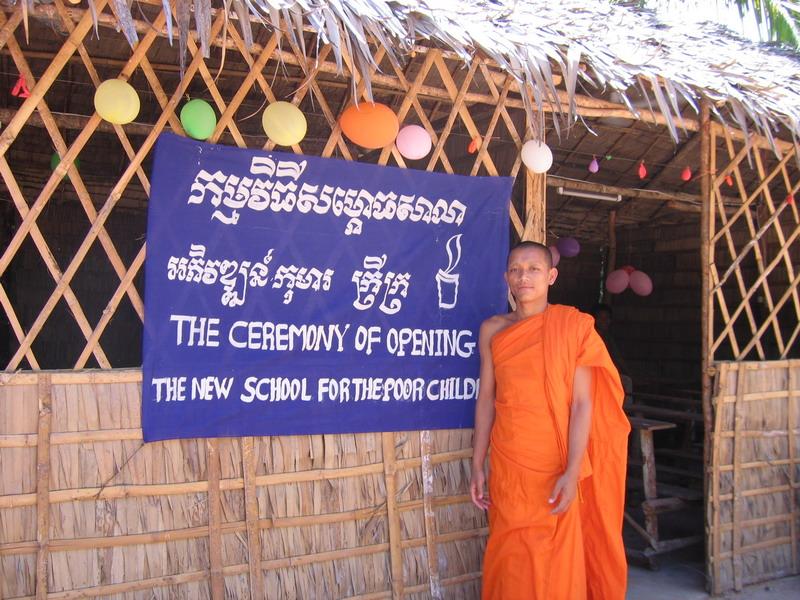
{"x": 390, "y": 478}
{"x": 236, "y": 483}
{"x": 43, "y": 485}
{"x": 214, "y": 520}
{"x": 535, "y": 207}
{"x": 251, "y": 517}
{"x": 712, "y": 495}
{"x": 235, "y": 527}
{"x": 773, "y": 489}
{"x": 434, "y": 581}
{"x": 65, "y": 377}
{"x": 710, "y": 444}
{"x": 612, "y": 254}
{"x": 687, "y": 202}
{"x": 792, "y": 410}
{"x": 741, "y": 383}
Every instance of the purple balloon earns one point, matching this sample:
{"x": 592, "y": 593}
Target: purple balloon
{"x": 641, "y": 284}
{"x": 555, "y": 254}
{"x": 617, "y": 281}
{"x": 568, "y": 247}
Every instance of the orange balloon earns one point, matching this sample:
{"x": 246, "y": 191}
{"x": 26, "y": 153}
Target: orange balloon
{"x": 369, "y": 125}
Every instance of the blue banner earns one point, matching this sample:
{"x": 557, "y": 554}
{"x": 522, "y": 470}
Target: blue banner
{"x": 290, "y": 294}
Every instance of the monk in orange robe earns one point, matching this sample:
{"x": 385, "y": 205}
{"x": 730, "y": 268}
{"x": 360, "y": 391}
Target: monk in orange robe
{"x": 550, "y": 404}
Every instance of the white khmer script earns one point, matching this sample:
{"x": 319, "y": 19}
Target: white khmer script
{"x": 277, "y": 186}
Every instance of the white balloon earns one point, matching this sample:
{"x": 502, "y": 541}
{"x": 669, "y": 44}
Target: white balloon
{"x": 537, "y": 156}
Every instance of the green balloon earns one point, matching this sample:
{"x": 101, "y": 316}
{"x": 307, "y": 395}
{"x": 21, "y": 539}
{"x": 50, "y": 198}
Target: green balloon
{"x": 198, "y": 119}
{"x": 55, "y": 160}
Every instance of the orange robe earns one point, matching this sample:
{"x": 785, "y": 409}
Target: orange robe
{"x": 532, "y": 554}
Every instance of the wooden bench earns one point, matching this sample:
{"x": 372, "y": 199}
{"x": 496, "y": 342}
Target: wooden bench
{"x": 671, "y": 498}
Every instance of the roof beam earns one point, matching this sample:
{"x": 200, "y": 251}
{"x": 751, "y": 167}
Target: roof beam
{"x": 676, "y": 200}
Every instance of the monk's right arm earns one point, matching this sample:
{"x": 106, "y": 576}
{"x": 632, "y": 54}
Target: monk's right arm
{"x": 484, "y": 419}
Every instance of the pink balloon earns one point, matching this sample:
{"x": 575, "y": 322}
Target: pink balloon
{"x": 555, "y": 254}
{"x": 641, "y": 283}
{"x": 617, "y": 281}
{"x": 413, "y": 142}
{"x": 568, "y": 247}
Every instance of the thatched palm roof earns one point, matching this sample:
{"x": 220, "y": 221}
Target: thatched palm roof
{"x": 570, "y": 44}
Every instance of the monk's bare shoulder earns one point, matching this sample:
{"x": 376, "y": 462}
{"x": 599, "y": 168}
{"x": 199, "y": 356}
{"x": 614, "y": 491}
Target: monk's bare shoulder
{"x": 494, "y": 325}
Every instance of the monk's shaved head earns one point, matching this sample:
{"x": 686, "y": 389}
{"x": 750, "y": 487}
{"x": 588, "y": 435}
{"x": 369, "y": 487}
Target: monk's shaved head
{"x": 533, "y": 245}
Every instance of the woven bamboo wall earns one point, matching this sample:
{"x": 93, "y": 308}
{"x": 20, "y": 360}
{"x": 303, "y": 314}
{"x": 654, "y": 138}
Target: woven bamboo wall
{"x": 434, "y": 89}
{"x": 754, "y": 291}
{"x": 86, "y": 508}
{"x": 753, "y": 508}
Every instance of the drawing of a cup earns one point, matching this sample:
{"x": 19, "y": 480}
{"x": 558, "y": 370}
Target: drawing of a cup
{"x": 446, "y": 280}
{"x": 447, "y": 284}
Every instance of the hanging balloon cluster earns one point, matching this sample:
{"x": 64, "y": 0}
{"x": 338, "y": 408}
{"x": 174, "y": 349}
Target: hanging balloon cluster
{"x": 567, "y": 247}
{"x": 641, "y": 170}
{"x": 621, "y": 279}
{"x": 373, "y": 125}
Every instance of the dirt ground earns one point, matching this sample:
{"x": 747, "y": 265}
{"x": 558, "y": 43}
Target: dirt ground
{"x": 682, "y": 577}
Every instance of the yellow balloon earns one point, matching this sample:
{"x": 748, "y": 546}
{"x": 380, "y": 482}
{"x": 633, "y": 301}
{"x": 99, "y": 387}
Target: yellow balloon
{"x": 284, "y": 123}
{"x": 116, "y": 101}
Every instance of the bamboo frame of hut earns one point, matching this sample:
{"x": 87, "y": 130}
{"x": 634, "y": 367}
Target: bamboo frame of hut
{"x": 751, "y": 316}
{"x": 373, "y": 515}
{"x": 359, "y": 516}
{"x": 752, "y": 497}
{"x": 380, "y": 515}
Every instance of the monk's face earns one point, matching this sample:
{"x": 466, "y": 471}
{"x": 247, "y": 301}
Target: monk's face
{"x": 529, "y": 274}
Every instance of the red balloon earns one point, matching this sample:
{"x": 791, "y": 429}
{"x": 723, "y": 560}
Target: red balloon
{"x": 790, "y": 199}
{"x": 617, "y": 281}
{"x": 642, "y": 170}
{"x": 686, "y": 174}
{"x": 474, "y": 144}
{"x": 641, "y": 284}
{"x": 729, "y": 180}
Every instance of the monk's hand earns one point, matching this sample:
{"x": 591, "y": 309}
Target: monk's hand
{"x": 477, "y": 488}
{"x": 564, "y": 492}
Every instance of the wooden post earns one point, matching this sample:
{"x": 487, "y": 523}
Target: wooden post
{"x": 611, "y": 264}
{"x": 430, "y": 518}
{"x": 214, "y": 520}
{"x": 535, "y": 207}
{"x": 738, "y": 442}
{"x": 649, "y": 480}
{"x": 43, "y": 484}
{"x": 251, "y": 518}
{"x": 393, "y": 514}
{"x": 707, "y": 322}
{"x": 791, "y": 410}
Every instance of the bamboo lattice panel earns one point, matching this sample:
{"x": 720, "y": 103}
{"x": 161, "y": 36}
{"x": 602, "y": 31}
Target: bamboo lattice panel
{"x": 754, "y": 481}
{"x": 755, "y": 253}
{"x": 86, "y": 508}
{"x": 454, "y": 103}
